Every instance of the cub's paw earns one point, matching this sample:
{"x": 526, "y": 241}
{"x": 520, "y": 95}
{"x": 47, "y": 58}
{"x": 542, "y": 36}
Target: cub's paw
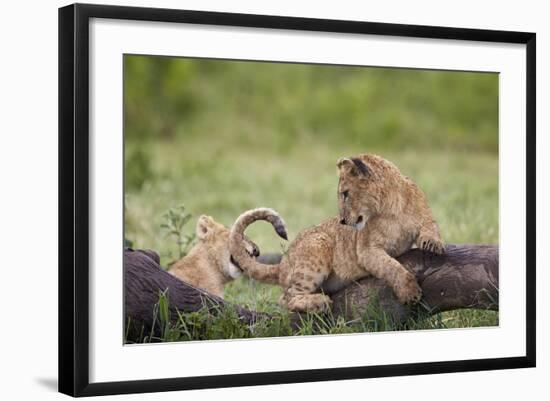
{"x": 408, "y": 291}
{"x": 430, "y": 244}
{"x": 309, "y": 303}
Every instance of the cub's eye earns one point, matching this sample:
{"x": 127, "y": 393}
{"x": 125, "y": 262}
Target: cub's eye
{"x": 345, "y": 195}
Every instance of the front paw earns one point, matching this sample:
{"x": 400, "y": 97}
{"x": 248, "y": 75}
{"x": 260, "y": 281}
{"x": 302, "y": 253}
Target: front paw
{"x": 408, "y": 292}
{"x": 433, "y": 245}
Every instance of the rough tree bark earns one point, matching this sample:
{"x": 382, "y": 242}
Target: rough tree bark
{"x": 465, "y": 277}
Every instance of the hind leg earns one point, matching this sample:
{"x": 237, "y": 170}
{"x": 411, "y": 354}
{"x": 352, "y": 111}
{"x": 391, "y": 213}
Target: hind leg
{"x": 429, "y": 239}
{"x": 301, "y": 294}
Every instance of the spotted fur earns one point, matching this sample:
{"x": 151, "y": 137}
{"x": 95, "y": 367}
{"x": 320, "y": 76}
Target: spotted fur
{"x": 382, "y": 215}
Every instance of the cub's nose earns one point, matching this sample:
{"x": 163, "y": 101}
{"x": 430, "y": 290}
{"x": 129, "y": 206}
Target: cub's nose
{"x": 343, "y": 221}
{"x": 255, "y": 252}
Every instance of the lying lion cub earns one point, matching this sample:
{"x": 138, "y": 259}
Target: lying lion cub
{"x": 208, "y": 265}
{"x": 382, "y": 214}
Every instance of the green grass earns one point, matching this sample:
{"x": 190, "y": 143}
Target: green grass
{"x": 224, "y": 137}
{"x": 222, "y": 323}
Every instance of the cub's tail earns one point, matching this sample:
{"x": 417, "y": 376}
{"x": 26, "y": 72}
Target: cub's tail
{"x": 239, "y": 256}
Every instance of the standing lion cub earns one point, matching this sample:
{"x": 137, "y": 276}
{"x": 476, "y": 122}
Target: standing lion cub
{"x": 382, "y": 215}
{"x": 208, "y": 264}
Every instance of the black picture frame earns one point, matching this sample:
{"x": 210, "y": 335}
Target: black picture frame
{"x": 74, "y": 198}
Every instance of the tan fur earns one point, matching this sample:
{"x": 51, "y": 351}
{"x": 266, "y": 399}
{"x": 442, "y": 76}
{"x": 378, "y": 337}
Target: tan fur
{"x": 208, "y": 265}
{"x": 382, "y": 215}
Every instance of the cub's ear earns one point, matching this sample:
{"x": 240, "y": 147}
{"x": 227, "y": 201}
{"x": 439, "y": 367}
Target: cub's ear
{"x": 353, "y": 166}
{"x": 205, "y": 226}
{"x": 344, "y": 165}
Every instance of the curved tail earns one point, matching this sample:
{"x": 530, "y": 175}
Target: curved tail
{"x": 254, "y": 269}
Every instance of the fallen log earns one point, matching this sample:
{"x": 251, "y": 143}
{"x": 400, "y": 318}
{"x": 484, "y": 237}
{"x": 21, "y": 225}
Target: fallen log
{"x": 145, "y": 280}
{"x": 466, "y": 276}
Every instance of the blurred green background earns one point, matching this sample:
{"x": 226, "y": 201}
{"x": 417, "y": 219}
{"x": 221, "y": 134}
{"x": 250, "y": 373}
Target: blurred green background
{"x": 222, "y": 137}
{"x": 225, "y": 136}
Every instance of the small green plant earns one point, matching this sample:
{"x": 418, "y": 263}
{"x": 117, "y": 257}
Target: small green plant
{"x": 174, "y": 221}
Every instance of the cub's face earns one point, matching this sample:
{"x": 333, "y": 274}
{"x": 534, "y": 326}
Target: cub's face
{"x": 357, "y": 192}
{"x": 216, "y": 237}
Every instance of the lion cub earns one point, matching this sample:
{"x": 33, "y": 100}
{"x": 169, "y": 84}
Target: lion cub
{"x": 382, "y": 214}
{"x": 208, "y": 264}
